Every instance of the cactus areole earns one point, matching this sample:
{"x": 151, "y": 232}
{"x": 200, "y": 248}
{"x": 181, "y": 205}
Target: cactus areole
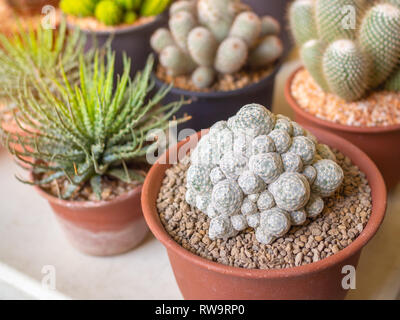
{"x": 349, "y": 46}
{"x": 210, "y": 37}
{"x": 262, "y": 171}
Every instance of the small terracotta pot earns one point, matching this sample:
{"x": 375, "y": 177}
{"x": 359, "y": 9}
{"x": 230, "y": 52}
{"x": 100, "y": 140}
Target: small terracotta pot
{"x": 101, "y": 228}
{"x": 381, "y": 144}
{"x": 199, "y": 278}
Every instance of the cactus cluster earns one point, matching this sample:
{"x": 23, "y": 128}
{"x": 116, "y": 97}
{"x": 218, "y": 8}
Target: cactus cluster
{"x": 262, "y": 171}
{"x": 207, "y": 37}
{"x": 114, "y": 12}
{"x": 349, "y": 46}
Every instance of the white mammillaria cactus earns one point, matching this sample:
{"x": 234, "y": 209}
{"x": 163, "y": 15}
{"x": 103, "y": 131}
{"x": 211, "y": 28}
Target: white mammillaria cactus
{"x": 262, "y": 171}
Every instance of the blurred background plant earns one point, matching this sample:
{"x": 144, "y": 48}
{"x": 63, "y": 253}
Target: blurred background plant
{"x": 345, "y": 57}
{"x": 78, "y": 133}
{"x": 39, "y": 53}
{"x": 114, "y": 12}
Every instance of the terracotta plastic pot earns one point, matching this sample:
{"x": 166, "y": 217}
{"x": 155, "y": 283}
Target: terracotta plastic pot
{"x": 101, "y": 228}
{"x": 199, "y": 278}
{"x": 134, "y": 41}
{"x": 382, "y": 144}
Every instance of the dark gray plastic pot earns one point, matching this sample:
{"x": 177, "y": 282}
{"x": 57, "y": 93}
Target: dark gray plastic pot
{"x": 135, "y": 41}
{"x": 209, "y": 107}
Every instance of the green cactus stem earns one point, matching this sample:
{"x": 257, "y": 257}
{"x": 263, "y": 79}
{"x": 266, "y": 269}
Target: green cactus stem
{"x": 130, "y": 5}
{"x": 203, "y": 77}
{"x": 180, "y": 25}
{"x": 302, "y": 21}
{"x": 346, "y": 69}
{"x": 183, "y": 5}
{"x": 215, "y": 14}
{"x": 311, "y": 54}
{"x": 161, "y": 39}
{"x": 380, "y": 38}
{"x": 130, "y": 17}
{"x": 202, "y": 46}
{"x": 269, "y": 26}
{"x": 176, "y": 61}
{"x": 109, "y": 12}
{"x": 393, "y": 84}
{"x": 266, "y": 52}
{"x": 153, "y": 7}
{"x": 246, "y": 26}
{"x": 82, "y": 8}
{"x": 334, "y": 19}
{"x": 231, "y": 55}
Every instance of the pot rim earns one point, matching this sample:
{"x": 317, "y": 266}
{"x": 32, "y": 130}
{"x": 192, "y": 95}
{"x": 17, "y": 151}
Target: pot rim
{"x": 223, "y": 94}
{"x": 378, "y": 191}
{"x": 86, "y": 204}
{"x": 329, "y": 124}
{"x": 123, "y": 30}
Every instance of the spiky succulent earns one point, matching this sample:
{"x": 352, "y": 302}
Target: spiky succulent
{"x": 39, "y": 53}
{"x": 349, "y": 46}
{"x": 82, "y": 132}
{"x": 114, "y": 12}
{"x": 262, "y": 171}
{"x": 207, "y": 37}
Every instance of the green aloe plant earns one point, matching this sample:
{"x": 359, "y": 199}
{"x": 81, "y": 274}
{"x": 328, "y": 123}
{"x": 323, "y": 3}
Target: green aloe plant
{"x": 39, "y": 53}
{"x": 84, "y": 131}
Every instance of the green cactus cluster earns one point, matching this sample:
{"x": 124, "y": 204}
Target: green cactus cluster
{"x": 114, "y": 12}
{"x": 210, "y": 37}
{"x": 349, "y": 47}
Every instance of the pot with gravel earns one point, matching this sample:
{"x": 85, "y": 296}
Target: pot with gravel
{"x": 263, "y": 209}
{"x": 219, "y": 54}
{"x": 350, "y": 83}
{"x": 85, "y": 147}
{"x": 129, "y": 23}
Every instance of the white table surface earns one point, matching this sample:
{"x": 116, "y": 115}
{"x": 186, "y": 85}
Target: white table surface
{"x": 30, "y": 239}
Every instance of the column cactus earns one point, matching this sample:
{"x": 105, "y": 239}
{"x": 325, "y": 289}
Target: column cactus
{"x": 218, "y": 36}
{"x": 344, "y": 59}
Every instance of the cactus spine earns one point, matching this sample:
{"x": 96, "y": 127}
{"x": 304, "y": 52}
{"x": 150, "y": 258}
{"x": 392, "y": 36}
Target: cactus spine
{"x": 362, "y": 54}
{"x": 311, "y": 54}
{"x": 302, "y": 21}
{"x": 215, "y": 36}
{"x": 331, "y": 17}
{"x": 393, "y": 84}
{"x": 345, "y": 69}
{"x": 380, "y": 38}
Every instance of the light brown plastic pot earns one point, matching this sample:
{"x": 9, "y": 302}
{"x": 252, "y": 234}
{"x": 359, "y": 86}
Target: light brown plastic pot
{"x": 381, "y": 144}
{"x": 199, "y": 278}
{"x": 101, "y": 228}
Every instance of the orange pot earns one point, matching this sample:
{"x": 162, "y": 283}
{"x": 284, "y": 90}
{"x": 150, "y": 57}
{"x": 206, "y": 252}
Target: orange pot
{"x": 381, "y": 144}
{"x": 30, "y": 7}
{"x": 101, "y": 228}
{"x": 199, "y": 278}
